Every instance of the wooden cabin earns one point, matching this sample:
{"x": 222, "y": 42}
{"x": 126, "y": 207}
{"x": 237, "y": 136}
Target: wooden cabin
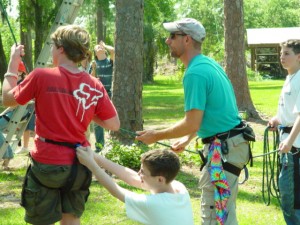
{"x": 265, "y": 48}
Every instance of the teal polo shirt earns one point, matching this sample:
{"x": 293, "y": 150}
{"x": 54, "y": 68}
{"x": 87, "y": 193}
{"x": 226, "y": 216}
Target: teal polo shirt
{"x": 208, "y": 88}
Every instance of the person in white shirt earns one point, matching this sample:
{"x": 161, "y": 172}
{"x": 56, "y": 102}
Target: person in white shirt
{"x": 168, "y": 202}
{"x": 288, "y": 122}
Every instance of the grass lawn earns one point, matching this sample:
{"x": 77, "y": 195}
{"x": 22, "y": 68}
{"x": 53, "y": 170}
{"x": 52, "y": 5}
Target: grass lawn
{"x": 163, "y": 105}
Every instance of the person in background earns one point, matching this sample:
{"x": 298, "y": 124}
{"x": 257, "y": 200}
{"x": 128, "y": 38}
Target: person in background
{"x": 211, "y": 113}
{"x": 56, "y": 185}
{"x": 85, "y": 65}
{"x": 5, "y": 117}
{"x": 168, "y": 202}
{"x": 29, "y": 131}
{"x": 287, "y": 121}
{"x": 102, "y": 68}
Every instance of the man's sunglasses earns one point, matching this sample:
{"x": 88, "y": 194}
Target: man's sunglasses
{"x": 173, "y": 35}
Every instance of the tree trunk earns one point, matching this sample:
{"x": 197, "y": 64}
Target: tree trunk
{"x": 39, "y": 31}
{"x": 150, "y": 52}
{"x": 3, "y": 62}
{"x": 100, "y": 25}
{"x": 235, "y": 62}
{"x": 25, "y": 32}
{"x": 128, "y": 69}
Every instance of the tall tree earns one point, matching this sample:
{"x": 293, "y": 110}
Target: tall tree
{"x": 128, "y": 69}
{"x": 235, "y": 62}
{"x": 3, "y": 62}
{"x": 44, "y": 15}
{"x": 156, "y": 12}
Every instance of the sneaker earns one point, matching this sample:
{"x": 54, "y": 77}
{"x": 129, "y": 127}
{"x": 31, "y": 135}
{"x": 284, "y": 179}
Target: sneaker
{"x": 22, "y": 151}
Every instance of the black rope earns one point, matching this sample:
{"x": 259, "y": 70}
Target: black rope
{"x": 5, "y": 16}
{"x": 271, "y": 168}
{"x": 133, "y": 134}
{"x": 11, "y": 30}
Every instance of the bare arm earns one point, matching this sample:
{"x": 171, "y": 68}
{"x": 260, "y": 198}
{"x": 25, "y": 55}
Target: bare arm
{"x": 189, "y": 125}
{"x": 126, "y": 174}
{"x": 10, "y": 81}
{"x": 110, "y": 124}
{"x": 86, "y": 157}
{"x": 287, "y": 144}
{"x": 111, "y": 50}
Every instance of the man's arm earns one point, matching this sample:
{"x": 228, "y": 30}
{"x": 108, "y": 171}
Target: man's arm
{"x": 126, "y": 174}
{"x": 86, "y": 157}
{"x": 189, "y": 125}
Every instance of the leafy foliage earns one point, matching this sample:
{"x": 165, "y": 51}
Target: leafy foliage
{"x": 125, "y": 155}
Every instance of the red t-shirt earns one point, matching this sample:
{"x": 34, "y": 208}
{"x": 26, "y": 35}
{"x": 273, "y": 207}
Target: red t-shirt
{"x": 65, "y": 104}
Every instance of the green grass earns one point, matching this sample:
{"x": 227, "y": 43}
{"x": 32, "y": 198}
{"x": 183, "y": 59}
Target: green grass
{"x": 265, "y": 95}
{"x": 163, "y": 104}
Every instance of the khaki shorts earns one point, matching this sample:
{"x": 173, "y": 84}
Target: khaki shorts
{"x": 238, "y": 155}
{"x": 44, "y": 200}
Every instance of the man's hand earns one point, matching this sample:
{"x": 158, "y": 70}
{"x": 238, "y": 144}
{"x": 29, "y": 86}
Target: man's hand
{"x": 180, "y": 145}
{"x": 147, "y": 136}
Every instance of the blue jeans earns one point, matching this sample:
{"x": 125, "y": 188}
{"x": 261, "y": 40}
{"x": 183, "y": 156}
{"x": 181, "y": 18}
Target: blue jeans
{"x": 8, "y": 154}
{"x": 286, "y": 187}
{"x": 99, "y": 136}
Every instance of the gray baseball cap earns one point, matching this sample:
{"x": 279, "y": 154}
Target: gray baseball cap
{"x": 188, "y": 26}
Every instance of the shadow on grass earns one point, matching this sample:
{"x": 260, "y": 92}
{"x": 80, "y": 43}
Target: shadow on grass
{"x": 258, "y": 198}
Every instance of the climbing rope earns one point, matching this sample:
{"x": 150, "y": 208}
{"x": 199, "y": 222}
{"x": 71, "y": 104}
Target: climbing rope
{"x": 271, "y": 168}
{"x": 133, "y": 134}
{"x": 3, "y": 12}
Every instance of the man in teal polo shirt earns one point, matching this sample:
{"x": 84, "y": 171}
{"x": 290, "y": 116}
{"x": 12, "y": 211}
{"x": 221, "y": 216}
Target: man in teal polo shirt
{"x": 211, "y": 113}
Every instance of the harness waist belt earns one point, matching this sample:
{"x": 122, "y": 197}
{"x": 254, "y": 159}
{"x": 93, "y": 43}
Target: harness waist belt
{"x": 222, "y": 136}
{"x": 66, "y": 144}
{"x": 231, "y": 168}
{"x": 286, "y": 129}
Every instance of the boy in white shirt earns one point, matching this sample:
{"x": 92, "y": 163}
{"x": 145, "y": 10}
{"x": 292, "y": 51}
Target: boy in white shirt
{"x": 169, "y": 201}
{"x": 288, "y": 122}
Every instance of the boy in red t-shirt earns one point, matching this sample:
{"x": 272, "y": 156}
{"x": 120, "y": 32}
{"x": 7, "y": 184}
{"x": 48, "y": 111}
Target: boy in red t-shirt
{"x": 56, "y": 186}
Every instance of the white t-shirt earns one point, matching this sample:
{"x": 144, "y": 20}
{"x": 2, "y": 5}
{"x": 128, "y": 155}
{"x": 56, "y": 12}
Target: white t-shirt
{"x": 160, "y": 209}
{"x": 289, "y": 104}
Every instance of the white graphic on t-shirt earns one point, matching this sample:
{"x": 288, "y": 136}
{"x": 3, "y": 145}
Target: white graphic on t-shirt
{"x": 87, "y": 96}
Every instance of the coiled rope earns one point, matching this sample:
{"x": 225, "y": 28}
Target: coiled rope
{"x": 271, "y": 168}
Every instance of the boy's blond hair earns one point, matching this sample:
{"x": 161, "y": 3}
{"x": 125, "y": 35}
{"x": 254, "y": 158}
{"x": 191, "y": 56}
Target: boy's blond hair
{"x": 75, "y": 41}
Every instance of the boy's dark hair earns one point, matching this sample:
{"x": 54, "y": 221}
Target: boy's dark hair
{"x": 162, "y": 163}
{"x": 294, "y": 44}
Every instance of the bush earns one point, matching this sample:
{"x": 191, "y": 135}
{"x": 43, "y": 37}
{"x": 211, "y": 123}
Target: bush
{"x": 253, "y": 75}
{"x": 130, "y": 155}
{"x": 125, "y": 155}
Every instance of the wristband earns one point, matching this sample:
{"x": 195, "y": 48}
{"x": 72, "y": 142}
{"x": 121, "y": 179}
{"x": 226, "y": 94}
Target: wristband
{"x": 9, "y": 74}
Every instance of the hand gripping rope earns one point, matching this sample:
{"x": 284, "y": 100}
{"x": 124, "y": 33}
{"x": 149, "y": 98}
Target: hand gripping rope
{"x": 133, "y": 134}
{"x": 4, "y": 14}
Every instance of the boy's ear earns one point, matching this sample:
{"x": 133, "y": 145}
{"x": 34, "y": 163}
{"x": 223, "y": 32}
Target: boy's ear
{"x": 161, "y": 179}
